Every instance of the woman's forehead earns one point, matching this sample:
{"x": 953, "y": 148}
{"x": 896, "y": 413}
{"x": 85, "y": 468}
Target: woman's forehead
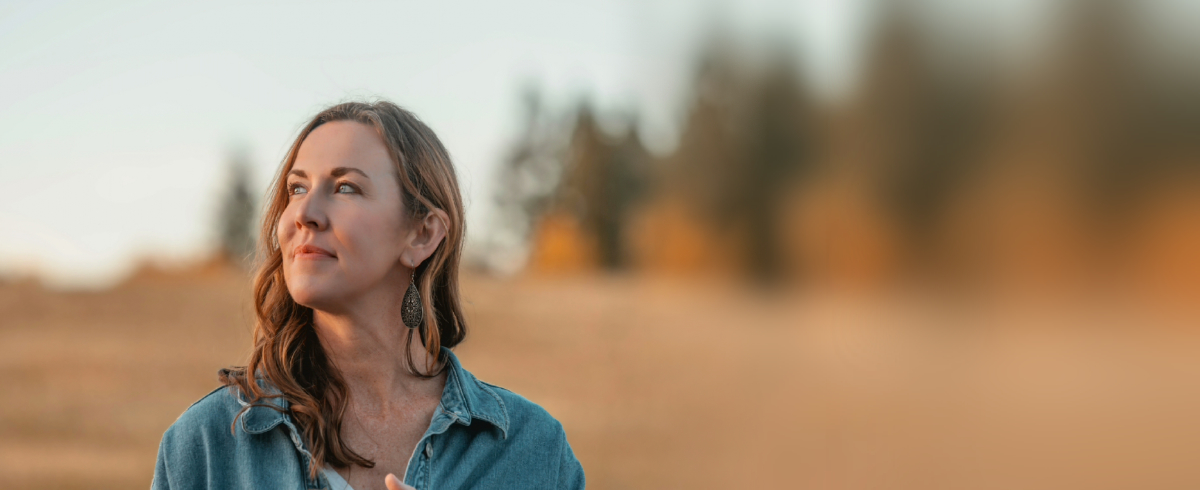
{"x": 343, "y": 144}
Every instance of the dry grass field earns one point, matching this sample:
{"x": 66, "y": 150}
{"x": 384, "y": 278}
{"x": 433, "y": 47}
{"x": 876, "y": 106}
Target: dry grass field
{"x": 667, "y": 383}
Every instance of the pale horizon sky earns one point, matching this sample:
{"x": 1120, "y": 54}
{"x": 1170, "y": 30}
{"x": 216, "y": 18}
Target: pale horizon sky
{"x": 117, "y": 118}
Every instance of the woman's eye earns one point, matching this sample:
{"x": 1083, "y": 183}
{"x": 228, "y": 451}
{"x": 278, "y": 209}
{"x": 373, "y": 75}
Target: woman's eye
{"x": 295, "y": 189}
{"x": 346, "y": 188}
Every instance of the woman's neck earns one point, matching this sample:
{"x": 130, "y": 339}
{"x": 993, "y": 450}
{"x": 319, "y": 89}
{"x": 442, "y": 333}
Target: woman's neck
{"x": 367, "y": 344}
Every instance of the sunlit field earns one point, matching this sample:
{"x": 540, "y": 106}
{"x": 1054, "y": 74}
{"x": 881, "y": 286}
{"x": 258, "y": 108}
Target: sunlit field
{"x": 666, "y": 383}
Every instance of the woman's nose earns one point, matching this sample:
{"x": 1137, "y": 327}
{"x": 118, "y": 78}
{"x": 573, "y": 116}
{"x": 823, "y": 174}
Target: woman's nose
{"x": 312, "y": 212}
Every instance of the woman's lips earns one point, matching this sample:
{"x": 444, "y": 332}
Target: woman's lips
{"x": 312, "y": 252}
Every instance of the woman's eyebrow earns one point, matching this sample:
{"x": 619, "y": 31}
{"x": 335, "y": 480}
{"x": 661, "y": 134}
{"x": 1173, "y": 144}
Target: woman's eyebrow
{"x": 340, "y": 171}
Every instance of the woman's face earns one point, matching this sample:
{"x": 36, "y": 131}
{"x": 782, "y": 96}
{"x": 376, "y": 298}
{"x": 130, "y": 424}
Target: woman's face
{"x": 343, "y": 232}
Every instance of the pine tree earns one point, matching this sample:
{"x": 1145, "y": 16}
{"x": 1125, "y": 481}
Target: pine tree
{"x": 237, "y": 213}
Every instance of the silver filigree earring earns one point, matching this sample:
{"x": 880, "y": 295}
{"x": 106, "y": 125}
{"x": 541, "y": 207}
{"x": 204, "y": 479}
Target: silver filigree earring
{"x": 411, "y": 311}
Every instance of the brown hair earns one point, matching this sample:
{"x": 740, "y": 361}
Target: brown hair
{"x": 287, "y": 353}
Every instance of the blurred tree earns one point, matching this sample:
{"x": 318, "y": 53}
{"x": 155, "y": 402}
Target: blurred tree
{"x": 925, "y": 124}
{"x": 1096, "y": 85}
{"x": 748, "y": 135}
{"x": 237, "y": 212}
{"x": 605, "y": 176}
{"x": 707, "y": 148}
{"x": 529, "y": 175}
{"x": 1129, "y": 119}
{"x": 779, "y": 141}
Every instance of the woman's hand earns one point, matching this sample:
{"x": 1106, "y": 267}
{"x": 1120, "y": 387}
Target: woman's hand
{"x": 394, "y": 483}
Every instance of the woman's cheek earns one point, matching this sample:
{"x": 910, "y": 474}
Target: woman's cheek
{"x": 283, "y": 234}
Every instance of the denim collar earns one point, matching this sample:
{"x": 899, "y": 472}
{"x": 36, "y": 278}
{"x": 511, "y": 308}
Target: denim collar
{"x": 265, "y": 414}
{"x": 464, "y": 399}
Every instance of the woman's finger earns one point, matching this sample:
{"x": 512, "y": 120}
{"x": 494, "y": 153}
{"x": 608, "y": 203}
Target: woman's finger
{"x": 394, "y": 483}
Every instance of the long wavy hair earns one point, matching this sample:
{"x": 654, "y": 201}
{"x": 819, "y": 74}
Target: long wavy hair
{"x": 287, "y": 353}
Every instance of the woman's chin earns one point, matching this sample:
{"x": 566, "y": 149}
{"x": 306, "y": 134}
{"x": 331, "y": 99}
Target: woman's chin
{"x": 317, "y": 298}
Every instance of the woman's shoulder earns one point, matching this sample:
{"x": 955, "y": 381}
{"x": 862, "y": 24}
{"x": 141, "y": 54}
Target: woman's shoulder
{"x": 525, "y": 417}
{"x": 216, "y": 409}
{"x": 220, "y": 408}
{"x": 213, "y": 444}
{"x": 536, "y": 439}
{"x": 500, "y": 406}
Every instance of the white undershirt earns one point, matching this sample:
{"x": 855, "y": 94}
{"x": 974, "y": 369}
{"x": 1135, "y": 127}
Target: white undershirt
{"x": 336, "y": 482}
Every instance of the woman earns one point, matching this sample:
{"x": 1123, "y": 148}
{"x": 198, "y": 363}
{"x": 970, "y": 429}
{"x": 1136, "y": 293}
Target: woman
{"x": 362, "y": 242}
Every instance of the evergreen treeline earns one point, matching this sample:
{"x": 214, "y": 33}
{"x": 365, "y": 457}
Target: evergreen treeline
{"x": 935, "y": 149}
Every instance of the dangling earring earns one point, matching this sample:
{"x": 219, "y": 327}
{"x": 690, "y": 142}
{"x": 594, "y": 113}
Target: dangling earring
{"x": 410, "y": 310}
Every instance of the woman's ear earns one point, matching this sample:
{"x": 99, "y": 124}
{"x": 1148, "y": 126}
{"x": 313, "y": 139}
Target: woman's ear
{"x": 430, "y": 232}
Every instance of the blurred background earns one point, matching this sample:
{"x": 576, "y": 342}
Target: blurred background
{"x": 831, "y": 244}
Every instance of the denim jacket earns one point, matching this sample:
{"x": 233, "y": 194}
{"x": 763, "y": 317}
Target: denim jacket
{"x": 481, "y": 436}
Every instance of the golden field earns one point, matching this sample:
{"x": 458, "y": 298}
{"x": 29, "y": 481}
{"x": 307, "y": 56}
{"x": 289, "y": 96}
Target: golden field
{"x": 669, "y": 383}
